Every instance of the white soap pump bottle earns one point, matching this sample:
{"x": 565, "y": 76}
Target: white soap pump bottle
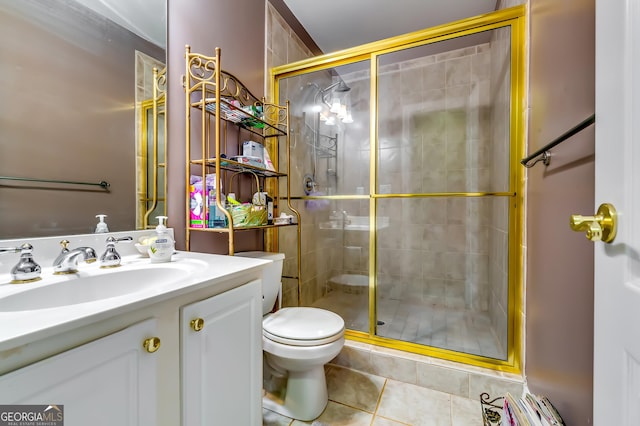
{"x": 162, "y": 248}
{"x": 101, "y": 226}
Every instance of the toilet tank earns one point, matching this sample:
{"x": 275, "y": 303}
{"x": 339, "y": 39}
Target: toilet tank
{"x": 272, "y": 278}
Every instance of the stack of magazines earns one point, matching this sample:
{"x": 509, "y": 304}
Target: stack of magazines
{"x": 530, "y": 410}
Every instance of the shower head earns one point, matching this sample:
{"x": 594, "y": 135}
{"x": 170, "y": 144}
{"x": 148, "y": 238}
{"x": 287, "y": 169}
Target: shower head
{"x": 342, "y": 87}
{"x": 339, "y": 86}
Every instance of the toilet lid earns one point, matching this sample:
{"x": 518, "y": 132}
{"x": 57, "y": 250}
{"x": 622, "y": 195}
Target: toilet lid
{"x": 303, "y": 326}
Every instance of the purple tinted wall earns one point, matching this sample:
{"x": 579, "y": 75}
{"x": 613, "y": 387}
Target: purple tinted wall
{"x": 559, "y": 292}
{"x": 238, "y": 28}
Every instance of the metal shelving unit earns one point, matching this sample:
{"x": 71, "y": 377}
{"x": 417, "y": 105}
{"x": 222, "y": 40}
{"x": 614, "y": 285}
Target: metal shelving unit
{"x": 216, "y": 99}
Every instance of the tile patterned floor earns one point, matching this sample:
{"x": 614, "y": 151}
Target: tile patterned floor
{"x": 360, "y": 399}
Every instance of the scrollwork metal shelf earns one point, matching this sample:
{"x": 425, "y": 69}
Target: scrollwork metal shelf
{"x": 243, "y": 228}
{"x": 234, "y": 166}
{"x": 215, "y": 100}
{"x": 252, "y": 123}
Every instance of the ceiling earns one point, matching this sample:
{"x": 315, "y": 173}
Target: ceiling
{"x": 340, "y": 24}
{"x": 332, "y": 24}
{"x": 146, "y": 18}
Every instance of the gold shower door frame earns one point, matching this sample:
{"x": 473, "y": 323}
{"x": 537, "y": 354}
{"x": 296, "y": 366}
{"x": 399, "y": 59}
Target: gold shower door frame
{"x": 515, "y": 19}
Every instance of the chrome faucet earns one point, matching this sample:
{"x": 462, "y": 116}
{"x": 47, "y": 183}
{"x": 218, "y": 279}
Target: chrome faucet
{"x": 67, "y": 260}
{"x": 111, "y": 258}
{"x": 27, "y": 269}
{"x": 345, "y": 218}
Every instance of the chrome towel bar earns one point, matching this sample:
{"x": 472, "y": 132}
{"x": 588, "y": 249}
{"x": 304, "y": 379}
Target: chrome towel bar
{"x": 103, "y": 184}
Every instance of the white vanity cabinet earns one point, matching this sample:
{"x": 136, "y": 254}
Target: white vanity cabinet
{"x": 221, "y": 358}
{"x": 110, "y": 381}
{"x": 90, "y": 355}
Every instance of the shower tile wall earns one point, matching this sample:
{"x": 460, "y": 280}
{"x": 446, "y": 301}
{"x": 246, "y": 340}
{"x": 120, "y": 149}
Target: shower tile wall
{"x": 284, "y": 46}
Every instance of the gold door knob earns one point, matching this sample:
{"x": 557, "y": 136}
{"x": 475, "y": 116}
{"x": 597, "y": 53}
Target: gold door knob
{"x": 601, "y": 227}
{"x": 197, "y": 324}
{"x": 151, "y": 344}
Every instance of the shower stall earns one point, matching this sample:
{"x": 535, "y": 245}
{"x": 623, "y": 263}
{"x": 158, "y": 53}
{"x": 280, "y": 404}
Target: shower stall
{"x": 404, "y": 168}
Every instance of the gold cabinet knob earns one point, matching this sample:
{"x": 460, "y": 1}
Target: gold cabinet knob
{"x": 197, "y": 324}
{"x": 151, "y": 344}
{"x": 601, "y": 227}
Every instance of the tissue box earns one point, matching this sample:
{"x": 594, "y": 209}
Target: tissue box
{"x": 252, "y": 161}
{"x": 253, "y": 149}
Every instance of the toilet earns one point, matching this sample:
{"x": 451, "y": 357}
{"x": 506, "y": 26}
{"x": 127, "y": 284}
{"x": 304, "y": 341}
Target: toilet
{"x": 296, "y": 343}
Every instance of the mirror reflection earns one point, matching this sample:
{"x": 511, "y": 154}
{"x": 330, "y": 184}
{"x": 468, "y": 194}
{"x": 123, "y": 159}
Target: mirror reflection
{"x": 74, "y": 90}
{"x": 153, "y": 183}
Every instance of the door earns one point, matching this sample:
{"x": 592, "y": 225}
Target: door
{"x": 221, "y": 351}
{"x": 616, "y": 384}
{"x": 110, "y": 381}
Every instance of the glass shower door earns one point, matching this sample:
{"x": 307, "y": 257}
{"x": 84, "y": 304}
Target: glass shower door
{"x": 330, "y": 175}
{"x": 411, "y": 204}
{"x": 443, "y": 192}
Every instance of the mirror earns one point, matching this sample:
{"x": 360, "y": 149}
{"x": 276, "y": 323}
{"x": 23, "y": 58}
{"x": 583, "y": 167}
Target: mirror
{"x": 73, "y": 83}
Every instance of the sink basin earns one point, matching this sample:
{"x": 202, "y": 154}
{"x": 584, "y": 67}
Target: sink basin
{"x": 92, "y": 287}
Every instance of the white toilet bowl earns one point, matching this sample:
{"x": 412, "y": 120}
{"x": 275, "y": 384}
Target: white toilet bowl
{"x": 300, "y": 341}
{"x": 297, "y": 343}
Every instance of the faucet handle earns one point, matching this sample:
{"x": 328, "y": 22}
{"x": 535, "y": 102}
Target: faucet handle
{"x": 111, "y": 258}
{"x": 26, "y": 248}
{"x": 65, "y": 245}
{"x": 26, "y": 270}
{"x": 9, "y": 250}
{"x": 112, "y": 239}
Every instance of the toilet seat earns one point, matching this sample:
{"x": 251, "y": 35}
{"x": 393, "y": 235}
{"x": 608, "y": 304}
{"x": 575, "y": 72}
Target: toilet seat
{"x": 303, "y": 326}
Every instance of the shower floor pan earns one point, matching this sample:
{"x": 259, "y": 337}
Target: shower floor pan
{"x": 411, "y": 320}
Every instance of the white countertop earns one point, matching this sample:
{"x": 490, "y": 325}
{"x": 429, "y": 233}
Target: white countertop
{"x": 25, "y": 326}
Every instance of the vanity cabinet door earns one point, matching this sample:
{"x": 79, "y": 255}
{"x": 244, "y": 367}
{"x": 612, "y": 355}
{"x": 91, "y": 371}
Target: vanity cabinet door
{"x": 110, "y": 381}
{"x": 221, "y": 358}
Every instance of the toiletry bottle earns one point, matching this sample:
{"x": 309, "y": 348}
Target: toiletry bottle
{"x": 162, "y": 248}
{"x": 263, "y": 199}
{"x": 269, "y": 202}
{"x": 101, "y": 226}
{"x": 217, "y": 219}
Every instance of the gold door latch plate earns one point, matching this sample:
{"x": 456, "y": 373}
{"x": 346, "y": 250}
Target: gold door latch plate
{"x": 601, "y": 227}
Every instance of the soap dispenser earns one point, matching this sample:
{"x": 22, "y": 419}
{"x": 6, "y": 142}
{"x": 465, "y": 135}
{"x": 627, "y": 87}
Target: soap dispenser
{"x": 162, "y": 248}
{"x": 101, "y": 227}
